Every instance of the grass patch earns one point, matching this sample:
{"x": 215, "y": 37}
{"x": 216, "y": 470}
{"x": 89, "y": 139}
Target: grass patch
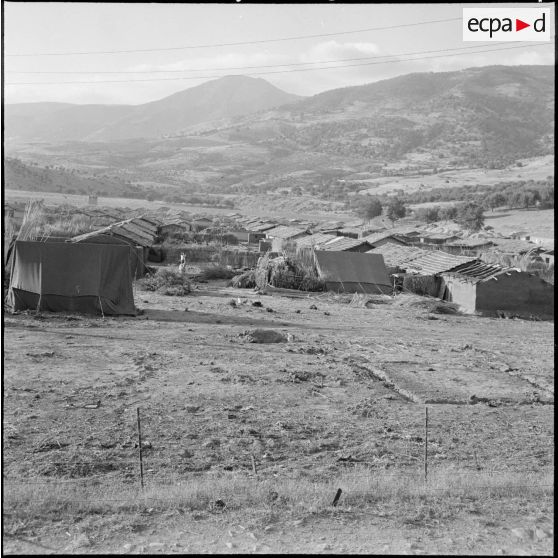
{"x": 361, "y": 488}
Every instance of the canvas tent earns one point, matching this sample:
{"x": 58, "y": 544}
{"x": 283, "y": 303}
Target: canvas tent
{"x": 68, "y": 277}
{"x": 353, "y": 272}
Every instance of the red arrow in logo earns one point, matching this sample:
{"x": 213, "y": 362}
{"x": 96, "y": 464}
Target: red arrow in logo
{"x": 519, "y": 25}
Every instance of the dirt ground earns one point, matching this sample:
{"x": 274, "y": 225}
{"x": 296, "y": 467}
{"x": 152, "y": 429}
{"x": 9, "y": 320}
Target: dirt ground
{"x": 345, "y": 390}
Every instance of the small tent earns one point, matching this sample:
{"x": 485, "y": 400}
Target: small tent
{"x": 353, "y": 272}
{"x": 68, "y": 277}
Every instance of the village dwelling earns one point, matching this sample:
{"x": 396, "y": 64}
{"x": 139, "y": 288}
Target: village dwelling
{"x": 521, "y": 235}
{"x": 350, "y": 232}
{"x": 139, "y": 233}
{"x": 314, "y": 240}
{"x": 468, "y": 246}
{"x": 434, "y": 238}
{"x": 174, "y": 226}
{"x": 386, "y": 237}
{"x": 249, "y": 237}
{"x": 547, "y": 257}
{"x": 346, "y": 244}
{"x": 491, "y": 290}
{"x": 279, "y": 235}
{"x": 201, "y": 223}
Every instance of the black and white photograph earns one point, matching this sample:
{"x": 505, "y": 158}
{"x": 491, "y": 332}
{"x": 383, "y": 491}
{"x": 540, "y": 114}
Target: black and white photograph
{"x": 278, "y": 278}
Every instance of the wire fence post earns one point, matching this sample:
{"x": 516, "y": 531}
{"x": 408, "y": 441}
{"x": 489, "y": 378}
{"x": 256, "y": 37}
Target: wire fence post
{"x": 254, "y": 468}
{"x": 426, "y": 444}
{"x": 139, "y": 445}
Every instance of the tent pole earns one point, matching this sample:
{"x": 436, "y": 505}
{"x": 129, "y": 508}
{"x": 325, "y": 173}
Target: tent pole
{"x": 101, "y": 305}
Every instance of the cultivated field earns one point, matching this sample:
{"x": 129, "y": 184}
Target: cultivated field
{"x": 539, "y": 223}
{"x": 245, "y": 444}
{"x": 536, "y": 168}
{"x": 280, "y": 206}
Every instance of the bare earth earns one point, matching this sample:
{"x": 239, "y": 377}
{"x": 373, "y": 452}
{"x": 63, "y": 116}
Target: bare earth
{"x": 340, "y": 400}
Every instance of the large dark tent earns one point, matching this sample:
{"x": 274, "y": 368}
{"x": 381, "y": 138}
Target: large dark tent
{"x": 67, "y": 277}
{"x": 353, "y": 272}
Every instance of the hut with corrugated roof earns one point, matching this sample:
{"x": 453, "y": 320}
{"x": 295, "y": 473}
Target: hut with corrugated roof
{"x": 492, "y": 290}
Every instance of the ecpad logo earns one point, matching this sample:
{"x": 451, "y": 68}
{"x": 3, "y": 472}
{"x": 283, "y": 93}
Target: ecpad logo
{"x": 506, "y": 24}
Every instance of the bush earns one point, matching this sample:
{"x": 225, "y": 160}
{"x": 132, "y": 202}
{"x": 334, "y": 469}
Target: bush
{"x": 470, "y": 215}
{"x": 167, "y": 281}
{"x": 287, "y": 272}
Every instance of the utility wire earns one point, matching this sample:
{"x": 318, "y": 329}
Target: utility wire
{"x": 273, "y": 71}
{"x": 295, "y": 38}
{"x": 247, "y": 67}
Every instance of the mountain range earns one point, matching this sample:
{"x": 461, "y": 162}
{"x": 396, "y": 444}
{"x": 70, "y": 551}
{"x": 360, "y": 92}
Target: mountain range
{"x": 241, "y": 134}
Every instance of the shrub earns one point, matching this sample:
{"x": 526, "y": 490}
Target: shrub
{"x": 165, "y": 280}
{"x": 287, "y": 272}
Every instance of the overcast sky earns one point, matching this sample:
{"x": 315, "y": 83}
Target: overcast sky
{"x": 38, "y": 28}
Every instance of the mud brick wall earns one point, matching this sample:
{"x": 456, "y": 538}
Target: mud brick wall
{"x": 518, "y": 293}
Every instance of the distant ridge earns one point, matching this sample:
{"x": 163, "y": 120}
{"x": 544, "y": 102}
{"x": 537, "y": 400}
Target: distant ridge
{"x": 225, "y": 97}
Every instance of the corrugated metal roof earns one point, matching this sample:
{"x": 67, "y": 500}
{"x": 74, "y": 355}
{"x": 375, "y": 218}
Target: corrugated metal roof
{"x": 437, "y": 236}
{"x": 351, "y": 230}
{"x": 342, "y": 243}
{"x": 476, "y": 271}
{"x": 513, "y": 246}
{"x": 130, "y": 230}
{"x": 151, "y": 220}
{"x": 330, "y": 225}
{"x": 436, "y": 261}
{"x": 316, "y": 239}
{"x": 396, "y": 255}
{"x": 285, "y": 232}
{"x": 377, "y": 237}
{"x": 472, "y": 242}
{"x": 260, "y": 227}
{"x": 135, "y": 228}
{"x": 176, "y": 222}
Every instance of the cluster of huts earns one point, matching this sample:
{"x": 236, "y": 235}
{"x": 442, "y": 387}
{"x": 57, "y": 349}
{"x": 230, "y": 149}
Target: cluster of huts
{"x": 94, "y": 270}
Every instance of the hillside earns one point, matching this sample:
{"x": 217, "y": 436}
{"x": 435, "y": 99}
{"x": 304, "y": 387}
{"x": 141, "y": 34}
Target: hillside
{"x": 222, "y": 98}
{"x": 409, "y": 129}
{"x": 21, "y": 176}
{"x": 474, "y": 116}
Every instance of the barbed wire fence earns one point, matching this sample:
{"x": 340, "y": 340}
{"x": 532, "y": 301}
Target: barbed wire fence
{"x": 147, "y": 471}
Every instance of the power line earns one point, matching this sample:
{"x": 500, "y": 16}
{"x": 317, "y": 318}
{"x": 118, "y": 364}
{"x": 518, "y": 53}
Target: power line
{"x": 273, "y": 71}
{"x": 245, "y": 67}
{"x": 295, "y": 38}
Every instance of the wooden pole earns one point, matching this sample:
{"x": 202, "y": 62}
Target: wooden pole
{"x": 139, "y": 444}
{"x": 426, "y": 445}
{"x": 254, "y": 469}
{"x": 337, "y": 496}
